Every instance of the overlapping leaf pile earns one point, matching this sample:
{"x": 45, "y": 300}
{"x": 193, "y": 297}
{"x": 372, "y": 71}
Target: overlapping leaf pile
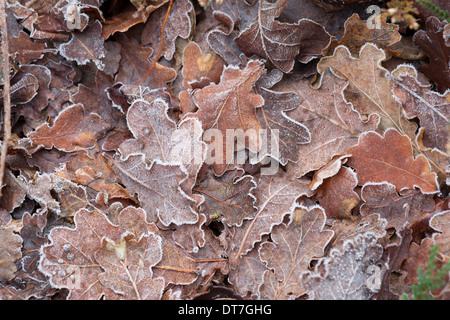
{"x": 108, "y": 191}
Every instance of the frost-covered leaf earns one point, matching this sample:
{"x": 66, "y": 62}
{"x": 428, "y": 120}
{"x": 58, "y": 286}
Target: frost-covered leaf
{"x": 69, "y": 259}
{"x": 275, "y": 198}
{"x": 228, "y": 198}
{"x": 178, "y": 24}
{"x": 333, "y": 123}
{"x": 432, "y": 108}
{"x": 389, "y": 157}
{"x": 290, "y": 254}
{"x": 158, "y": 189}
{"x": 230, "y": 105}
{"x": 352, "y": 273}
{"x": 399, "y": 210}
{"x": 336, "y": 194}
{"x": 130, "y": 275}
{"x": 280, "y": 42}
{"x": 86, "y": 46}
{"x": 284, "y": 134}
{"x": 71, "y": 131}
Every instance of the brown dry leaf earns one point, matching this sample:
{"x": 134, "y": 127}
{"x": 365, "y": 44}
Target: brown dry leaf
{"x": 137, "y": 70}
{"x": 334, "y": 125}
{"x": 129, "y": 274}
{"x": 348, "y": 274}
{"x": 290, "y": 254}
{"x": 133, "y": 13}
{"x": 25, "y": 50}
{"x": 284, "y": 136}
{"x": 248, "y": 275}
{"x": 230, "y": 105}
{"x": 69, "y": 260}
{"x": 440, "y": 222}
{"x": 432, "y": 42}
{"x": 432, "y": 109}
{"x": 279, "y": 42}
{"x": 158, "y": 189}
{"x": 39, "y": 101}
{"x": 86, "y": 46}
{"x": 191, "y": 237}
{"x": 357, "y": 34}
{"x": 176, "y": 267}
{"x": 228, "y": 198}
{"x": 72, "y": 130}
{"x": 336, "y": 194}
{"x": 94, "y": 173}
{"x": 389, "y": 158}
{"x": 328, "y": 170}
{"x": 275, "y": 198}
{"x": 400, "y": 210}
{"x": 158, "y": 137}
{"x": 10, "y": 252}
{"x": 178, "y": 24}
{"x": 368, "y": 99}
{"x": 199, "y": 66}
{"x": 23, "y": 89}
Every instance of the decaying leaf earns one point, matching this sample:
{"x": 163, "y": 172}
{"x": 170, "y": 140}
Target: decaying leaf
{"x": 336, "y": 194}
{"x": 399, "y": 210}
{"x": 275, "y": 198}
{"x": 228, "y": 197}
{"x": 432, "y": 108}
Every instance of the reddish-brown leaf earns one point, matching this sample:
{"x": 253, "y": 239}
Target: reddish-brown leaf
{"x": 389, "y": 157}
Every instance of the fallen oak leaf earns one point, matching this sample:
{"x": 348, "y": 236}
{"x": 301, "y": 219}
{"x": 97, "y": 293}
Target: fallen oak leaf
{"x": 289, "y": 255}
{"x": 165, "y": 202}
{"x": 178, "y": 24}
{"x": 71, "y": 131}
{"x": 228, "y": 198}
{"x": 279, "y": 42}
{"x": 275, "y": 198}
{"x": 332, "y": 121}
{"x": 130, "y": 275}
{"x": 337, "y": 196}
{"x": 432, "y": 42}
{"x": 136, "y": 69}
{"x": 357, "y": 33}
{"x": 230, "y": 105}
{"x": 348, "y": 273}
{"x": 69, "y": 259}
{"x": 284, "y": 134}
{"x": 86, "y": 46}
{"x": 369, "y": 99}
{"x": 432, "y": 109}
{"x": 10, "y": 245}
{"x": 389, "y": 157}
{"x": 400, "y": 210}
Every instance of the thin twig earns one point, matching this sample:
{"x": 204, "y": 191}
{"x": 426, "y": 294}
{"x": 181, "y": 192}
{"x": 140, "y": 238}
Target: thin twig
{"x": 6, "y": 92}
